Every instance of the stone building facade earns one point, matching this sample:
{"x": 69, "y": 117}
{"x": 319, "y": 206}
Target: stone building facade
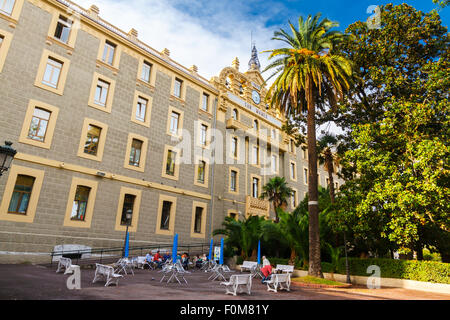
{"x": 100, "y": 120}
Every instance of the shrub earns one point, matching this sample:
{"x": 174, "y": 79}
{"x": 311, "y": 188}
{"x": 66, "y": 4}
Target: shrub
{"x": 429, "y": 271}
{"x": 239, "y": 260}
{"x": 327, "y": 267}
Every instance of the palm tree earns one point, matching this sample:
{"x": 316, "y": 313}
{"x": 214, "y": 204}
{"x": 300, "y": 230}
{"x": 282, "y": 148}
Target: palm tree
{"x": 294, "y": 228}
{"x": 328, "y": 159}
{"x": 309, "y": 73}
{"x": 277, "y": 191}
{"x": 242, "y": 235}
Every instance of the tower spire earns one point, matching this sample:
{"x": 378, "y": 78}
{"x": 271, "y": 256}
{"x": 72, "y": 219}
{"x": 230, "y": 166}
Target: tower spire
{"x": 254, "y": 64}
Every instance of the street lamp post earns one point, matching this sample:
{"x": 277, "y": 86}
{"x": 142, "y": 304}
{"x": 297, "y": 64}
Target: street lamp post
{"x": 7, "y": 154}
{"x": 128, "y": 216}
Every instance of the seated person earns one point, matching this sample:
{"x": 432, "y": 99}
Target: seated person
{"x": 157, "y": 259}
{"x": 149, "y": 257}
{"x": 266, "y": 269}
{"x": 198, "y": 261}
{"x": 185, "y": 260}
{"x": 166, "y": 256}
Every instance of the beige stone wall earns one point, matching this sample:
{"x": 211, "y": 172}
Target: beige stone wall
{"x": 62, "y": 164}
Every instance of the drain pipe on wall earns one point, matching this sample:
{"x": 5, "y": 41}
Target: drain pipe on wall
{"x": 212, "y": 165}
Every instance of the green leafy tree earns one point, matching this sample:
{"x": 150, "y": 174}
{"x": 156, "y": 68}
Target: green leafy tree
{"x": 397, "y": 119}
{"x": 278, "y": 192}
{"x": 308, "y": 74}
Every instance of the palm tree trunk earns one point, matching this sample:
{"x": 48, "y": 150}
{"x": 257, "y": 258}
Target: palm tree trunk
{"x": 277, "y": 219}
{"x": 292, "y": 258}
{"x": 315, "y": 268}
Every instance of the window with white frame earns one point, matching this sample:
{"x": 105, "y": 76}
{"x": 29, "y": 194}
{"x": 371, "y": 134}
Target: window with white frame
{"x": 146, "y": 71}
{"x": 101, "y": 92}
{"x": 52, "y": 72}
{"x": 177, "y": 88}
{"x": 205, "y": 102}
{"x": 108, "y": 52}
{"x": 7, "y": 6}
{"x": 141, "y": 109}
{"x": 62, "y": 31}
{"x": 39, "y": 124}
{"x": 174, "y": 120}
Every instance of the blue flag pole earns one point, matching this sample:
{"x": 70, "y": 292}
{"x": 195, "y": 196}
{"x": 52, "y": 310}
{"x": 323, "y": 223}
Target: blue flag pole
{"x": 175, "y": 248}
{"x": 221, "y": 252}
{"x": 210, "y": 250}
{"x": 259, "y": 251}
{"x": 126, "y": 245}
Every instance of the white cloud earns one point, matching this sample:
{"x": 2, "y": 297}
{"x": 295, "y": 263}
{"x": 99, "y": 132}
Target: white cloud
{"x": 207, "y": 34}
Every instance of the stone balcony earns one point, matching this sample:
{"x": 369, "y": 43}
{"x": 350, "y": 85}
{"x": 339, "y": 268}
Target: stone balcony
{"x": 256, "y": 207}
{"x": 235, "y": 124}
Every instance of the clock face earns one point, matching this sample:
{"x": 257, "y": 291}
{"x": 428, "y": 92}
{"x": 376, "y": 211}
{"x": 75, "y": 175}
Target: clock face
{"x": 255, "y": 97}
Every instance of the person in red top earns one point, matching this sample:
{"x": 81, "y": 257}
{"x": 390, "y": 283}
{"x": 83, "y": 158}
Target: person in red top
{"x": 266, "y": 269}
{"x": 157, "y": 258}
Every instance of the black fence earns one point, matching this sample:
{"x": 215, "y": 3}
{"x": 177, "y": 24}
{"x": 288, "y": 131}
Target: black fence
{"x": 110, "y": 255}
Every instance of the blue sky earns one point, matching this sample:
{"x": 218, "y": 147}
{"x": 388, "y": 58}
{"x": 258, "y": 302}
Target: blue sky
{"x": 210, "y": 34}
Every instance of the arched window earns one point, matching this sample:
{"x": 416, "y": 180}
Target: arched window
{"x": 235, "y": 114}
{"x": 255, "y": 125}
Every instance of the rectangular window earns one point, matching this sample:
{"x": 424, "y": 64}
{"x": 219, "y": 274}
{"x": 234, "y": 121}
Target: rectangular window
{"x": 92, "y": 139}
{"x": 108, "y": 52}
{"x": 273, "y": 134}
{"x": 101, "y": 93}
{"x": 21, "y": 194}
{"x": 128, "y": 205}
{"x": 174, "y": 119}
{"x": 7, "y": 6}
{"x": 292, "y": 146}
{"x": 62, "y": 30}
{"x": 80, "y": 203}
{"x": 305, "y": 154}
{"x": 203, "y": 130}
{"x": 233, "y": 181}
{"x": 205, "y": 102}
{"x": 293, "y": 173}
{"x": 141, "y": 109}
{"x": 1, "y": 41}
{"x": 255, "y": 156}
{"x": 39, "y": 124}
{"x": 177, "y": 88}
{"x": 293, "y": 197}
{"x": 198, "y": 220}
{"x": 201, "y": 171}
{"x": 135, "y": 153}
{"x": 255, "y": 187}
{"x": 234, "y": 142}
{"x": 146, "y": 71}
{"x": 274, "y": 164}
{"x": 305, "y": 175}
{"x": 165, "y": 215}
{"x": 170, "y": 162}
{"x": 52, "y": 72}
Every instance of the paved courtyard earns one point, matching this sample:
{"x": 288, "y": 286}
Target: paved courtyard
{"x": 35, "y": 282}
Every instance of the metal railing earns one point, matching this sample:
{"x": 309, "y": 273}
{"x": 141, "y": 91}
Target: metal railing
{"x": 109, "y": 255}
